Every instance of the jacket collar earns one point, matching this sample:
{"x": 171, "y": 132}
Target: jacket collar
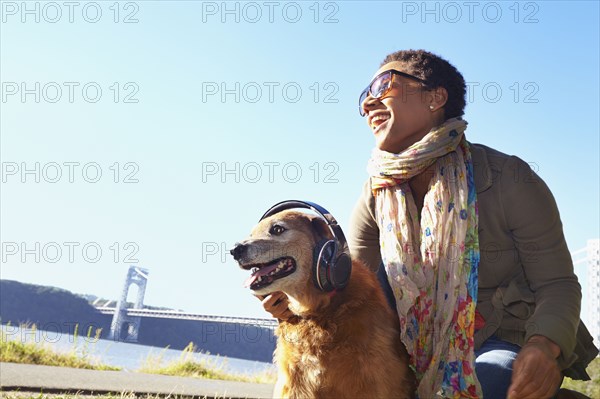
{"x": 482, "y": 174}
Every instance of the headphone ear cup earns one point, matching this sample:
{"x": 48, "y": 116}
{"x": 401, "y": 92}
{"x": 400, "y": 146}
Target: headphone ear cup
{"x": 340, "y": 271}
{"x": 324, "y": 254}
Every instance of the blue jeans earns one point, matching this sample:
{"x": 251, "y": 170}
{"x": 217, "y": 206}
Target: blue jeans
{"x": 493, "y": 366}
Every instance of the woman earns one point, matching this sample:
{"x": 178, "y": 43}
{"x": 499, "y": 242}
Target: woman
{"x": 468, "y": 244}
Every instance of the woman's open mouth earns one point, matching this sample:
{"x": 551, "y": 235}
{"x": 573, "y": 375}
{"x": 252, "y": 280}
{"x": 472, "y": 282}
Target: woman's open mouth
{"x": 379, "y": 126}
{"x": 378, "y": 119}
{"x": 264, "y": 274}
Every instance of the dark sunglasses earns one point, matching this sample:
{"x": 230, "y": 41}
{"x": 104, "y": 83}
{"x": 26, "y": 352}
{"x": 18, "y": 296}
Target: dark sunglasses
{"x": 381, "y": 85}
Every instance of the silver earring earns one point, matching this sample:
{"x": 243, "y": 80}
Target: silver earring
{"x": 431, "y": 107}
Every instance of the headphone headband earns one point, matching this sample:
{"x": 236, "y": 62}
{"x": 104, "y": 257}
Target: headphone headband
{"x": 290, "y": 204}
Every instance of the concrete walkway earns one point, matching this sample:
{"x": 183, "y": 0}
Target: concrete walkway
{"x": 49, "y": 379}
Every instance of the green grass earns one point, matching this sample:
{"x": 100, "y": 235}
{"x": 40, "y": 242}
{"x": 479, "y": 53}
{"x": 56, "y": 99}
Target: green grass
{"x": 15, "y": 351}
{"x": 188, "y": 366}
{"x": 589, "y": 388}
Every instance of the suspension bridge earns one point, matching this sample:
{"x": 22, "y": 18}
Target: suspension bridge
{"x": 126, "y": 320}
{"x": 171, "y": 314}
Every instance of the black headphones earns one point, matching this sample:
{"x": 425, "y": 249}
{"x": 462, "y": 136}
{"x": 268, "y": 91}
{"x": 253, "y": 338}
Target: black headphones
{"x": 332, "y": 264}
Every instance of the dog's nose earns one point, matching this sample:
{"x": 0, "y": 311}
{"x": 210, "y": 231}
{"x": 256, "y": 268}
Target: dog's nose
{"x": 238, "y": 250}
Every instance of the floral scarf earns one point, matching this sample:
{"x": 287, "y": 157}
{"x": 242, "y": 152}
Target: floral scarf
{"x": 432, "y": 264}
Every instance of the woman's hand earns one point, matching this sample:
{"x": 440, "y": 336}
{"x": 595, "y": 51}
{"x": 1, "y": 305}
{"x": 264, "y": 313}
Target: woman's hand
{"x": 276, "y": 303}
{"x": 535, "y": 370}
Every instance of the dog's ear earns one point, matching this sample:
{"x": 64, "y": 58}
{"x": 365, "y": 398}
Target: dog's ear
{"x": 320, "y": 229}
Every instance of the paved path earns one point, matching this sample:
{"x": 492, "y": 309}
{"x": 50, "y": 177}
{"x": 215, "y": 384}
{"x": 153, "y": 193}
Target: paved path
{"x": 28, "y": 377}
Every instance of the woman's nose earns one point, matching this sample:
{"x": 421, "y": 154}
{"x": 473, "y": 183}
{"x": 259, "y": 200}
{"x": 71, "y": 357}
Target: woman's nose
{"x": 369, "y": 104}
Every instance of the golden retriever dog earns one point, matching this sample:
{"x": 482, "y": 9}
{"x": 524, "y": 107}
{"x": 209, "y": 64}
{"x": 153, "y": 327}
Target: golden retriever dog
{"x": 345, "y": 345}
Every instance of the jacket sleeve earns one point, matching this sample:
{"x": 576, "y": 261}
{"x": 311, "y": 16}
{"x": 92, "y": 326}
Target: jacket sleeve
{"x": 534, "y": 222}
{"x": 363, "y": 233}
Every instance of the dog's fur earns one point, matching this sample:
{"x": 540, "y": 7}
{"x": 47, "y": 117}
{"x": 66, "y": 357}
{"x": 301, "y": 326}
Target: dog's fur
{"x": 341, "y": 346}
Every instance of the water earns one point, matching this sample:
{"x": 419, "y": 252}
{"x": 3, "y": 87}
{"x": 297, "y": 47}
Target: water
{"x": 128, "y": 356}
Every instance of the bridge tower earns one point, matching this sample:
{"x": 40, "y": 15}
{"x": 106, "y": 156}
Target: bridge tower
{"x": 124, "y": 327}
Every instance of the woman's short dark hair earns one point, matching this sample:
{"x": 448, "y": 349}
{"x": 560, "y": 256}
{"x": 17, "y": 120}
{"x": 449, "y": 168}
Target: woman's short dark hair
{"x": 436, "y": 72}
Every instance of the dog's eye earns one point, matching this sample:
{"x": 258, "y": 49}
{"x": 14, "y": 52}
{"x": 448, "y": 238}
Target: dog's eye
{"x": 276, "y": 229}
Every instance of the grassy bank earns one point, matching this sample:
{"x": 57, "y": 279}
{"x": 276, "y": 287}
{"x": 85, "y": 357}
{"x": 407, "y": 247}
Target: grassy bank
{"x": 188, "y": 366}
{"x": 15, "y": 351}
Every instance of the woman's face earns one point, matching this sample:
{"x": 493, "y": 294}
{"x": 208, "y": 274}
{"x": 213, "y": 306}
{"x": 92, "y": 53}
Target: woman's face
{"x": 405, "y": 111}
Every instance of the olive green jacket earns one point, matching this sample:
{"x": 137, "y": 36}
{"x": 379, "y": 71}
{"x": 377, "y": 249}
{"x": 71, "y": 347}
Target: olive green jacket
{"x": 526, "y": 281}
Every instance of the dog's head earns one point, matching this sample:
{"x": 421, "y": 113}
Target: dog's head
{"x": 280, "y": 253}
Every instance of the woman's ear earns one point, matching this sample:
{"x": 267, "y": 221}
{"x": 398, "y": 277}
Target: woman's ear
{"x": 439, "y": 98}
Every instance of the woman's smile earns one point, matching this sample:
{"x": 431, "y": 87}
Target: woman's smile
{"x": 379, "y": 126}
{"x": 378, "y": 120}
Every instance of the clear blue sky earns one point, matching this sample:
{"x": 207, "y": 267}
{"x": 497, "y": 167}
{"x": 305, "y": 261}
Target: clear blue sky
{"x": 532, "y": 69}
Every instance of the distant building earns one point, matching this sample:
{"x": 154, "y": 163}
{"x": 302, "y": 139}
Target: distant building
{"x": 593, "y": 267}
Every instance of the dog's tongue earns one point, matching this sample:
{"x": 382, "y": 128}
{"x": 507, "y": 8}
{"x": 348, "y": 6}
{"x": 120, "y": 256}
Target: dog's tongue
{"x": 260, "y": 272}
{"x": 249, "y": 281}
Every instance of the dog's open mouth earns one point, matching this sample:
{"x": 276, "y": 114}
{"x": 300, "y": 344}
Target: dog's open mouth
{"x": 264, "y": 274}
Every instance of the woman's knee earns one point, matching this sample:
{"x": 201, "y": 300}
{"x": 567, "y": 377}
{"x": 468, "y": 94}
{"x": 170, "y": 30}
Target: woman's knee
{"x": 494, "y": 371}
